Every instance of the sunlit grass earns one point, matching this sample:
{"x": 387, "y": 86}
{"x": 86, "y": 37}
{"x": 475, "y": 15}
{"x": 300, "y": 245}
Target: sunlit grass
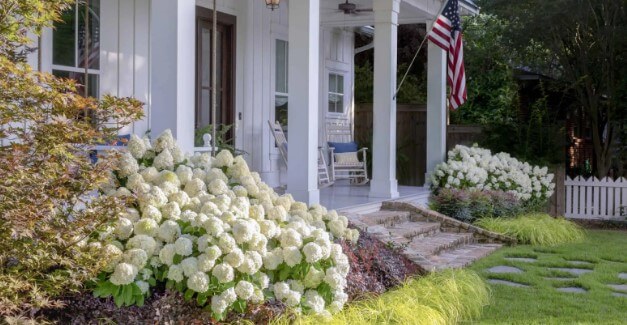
{"x": 535, "y": 229}
{"x": 439, "y": 298}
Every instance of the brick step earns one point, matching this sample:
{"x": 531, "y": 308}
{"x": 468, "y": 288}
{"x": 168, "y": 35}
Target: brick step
{"x": 386, "y": 218}
{"x": 412, "y": 229}
{"x": 432, "y": 245}
{"x": 459, "y": 257}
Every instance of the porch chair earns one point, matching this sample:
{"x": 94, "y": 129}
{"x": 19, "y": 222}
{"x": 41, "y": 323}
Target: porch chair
{"x": 281, "y": 142}
{"x": 344, "y": 154}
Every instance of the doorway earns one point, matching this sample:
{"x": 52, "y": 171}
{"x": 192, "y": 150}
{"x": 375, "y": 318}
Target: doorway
{"x": 225, "y": 57}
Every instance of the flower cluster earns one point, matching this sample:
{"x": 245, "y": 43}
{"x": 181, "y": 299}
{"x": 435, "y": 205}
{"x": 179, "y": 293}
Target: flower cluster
{"x": 476, "y": 168}
{"x": 210, "y": 228}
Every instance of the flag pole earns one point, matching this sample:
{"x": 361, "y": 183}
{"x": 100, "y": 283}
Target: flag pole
{"x": 214, "y": 78}
{"x": 418, "y": 51}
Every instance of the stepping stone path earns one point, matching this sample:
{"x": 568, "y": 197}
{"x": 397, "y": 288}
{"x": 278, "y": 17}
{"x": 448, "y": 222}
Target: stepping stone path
{"x": 521, "y": 259}
{"x": 504, "y": 269}
{"x": 572, "y": 290}
{"x": 431, "y": 240}
{"x": 572, "y": 271}
{"x": 622, "y": 276}
{"x": 619, "y": 294}
{"x": 508, "y": 283}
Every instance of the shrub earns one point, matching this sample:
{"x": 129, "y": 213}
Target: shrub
{"x": 470, "y": 205}
{"x": 474, "y": 168}
{"x": 45, "y": 178}
{"x": 535, "y": 229}
{"x": 446, "y": 297}
{"x": 210, "y": 229}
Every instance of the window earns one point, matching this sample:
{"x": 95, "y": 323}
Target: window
{"x": 76, "y": 44}
{"x": 280, "y": 82}
{"x": 336, "y": 93}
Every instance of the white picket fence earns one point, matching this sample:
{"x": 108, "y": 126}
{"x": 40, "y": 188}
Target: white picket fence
{"x": 595, "y": 198}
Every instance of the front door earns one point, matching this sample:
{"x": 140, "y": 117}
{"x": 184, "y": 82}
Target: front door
{"x": 225, "y": 54}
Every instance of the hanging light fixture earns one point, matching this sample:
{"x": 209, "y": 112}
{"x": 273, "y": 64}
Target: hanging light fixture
{"x": 272, "y": 4}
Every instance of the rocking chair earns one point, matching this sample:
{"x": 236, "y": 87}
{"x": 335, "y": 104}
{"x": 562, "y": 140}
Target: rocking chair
{"x": 344, "y": 155}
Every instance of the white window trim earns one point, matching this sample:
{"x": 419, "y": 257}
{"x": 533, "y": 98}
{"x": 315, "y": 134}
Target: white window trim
{"x": 345, "y": 110}
{"x": 274, "y": 151}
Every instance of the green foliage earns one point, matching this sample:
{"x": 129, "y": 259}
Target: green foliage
{"x": 446, "y": 297}
{"x": 47, "y": 206}
{"x": 469, "y": 206}
{"x": 124, "y": 295}
{"x": 535, "y": 229}
{"x": 414, "y": 90}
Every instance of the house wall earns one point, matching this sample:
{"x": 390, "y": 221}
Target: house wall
{"x": 126, "y": 63}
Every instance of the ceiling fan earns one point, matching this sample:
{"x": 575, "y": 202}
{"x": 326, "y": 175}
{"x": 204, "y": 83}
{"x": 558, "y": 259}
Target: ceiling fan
{"x": 351, "y": 9}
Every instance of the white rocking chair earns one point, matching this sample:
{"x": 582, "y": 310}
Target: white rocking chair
{"x": 281, "y": 142}
{"x": 345, "y": 163}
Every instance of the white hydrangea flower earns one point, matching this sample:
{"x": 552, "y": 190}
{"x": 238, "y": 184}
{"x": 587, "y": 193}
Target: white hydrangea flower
{"x": 183, "y": 246}
{"x": 251, "y": 263}
{"x": 127, "y": 165}
{"x": 240, "y": 191}
{"x": 292, "y": 256}
{"x": 216, "y": 173}
{"x": 214, "y": 252}
{"x": 256, "y": 212}
{"x": 136, "y": 257}
{"x": 217, "y": 187}
{"x": 144, "y": 242}
{"x": 164, "y": 160}
{"x": 313, "y": 252}
{"x": 194, "y": 186}
{"x": 150, "y": 174}
{"x": 124, "y": 273}
{"x": 146, "y": 226}
{"x": 314, "y": 301}
{"x": 177, "y": 154}
{"x": 235, "y": 258}
{"x": 244, "y": 290}
{"x": 175, "y": 273}
{"x": 243, "y": 230}
{"x": 223, "y": 272}
{"x": 123, "y": 228}
{"x": 291, "y": 237}
{"x": 169, "y": 231}
{"x": 277, "y": 214}
{"x": 168, "y": 176}
{"x": 334, "y": 278}
{"x": 151, "y": 212}
{"x": 189, "y": 266}
{"x": 184, "y": 174}
{"x": 314, "y": 278}
{"x": 223, "y": 159}
{"x": 166, "y": 254}
{"x": 198, "y": 282}
{"x": 292, "y": 298}
{"x": 273, "y": 259}
{"x": 180, "y": 198}
{"x": 213, "y": 226}
{"x": 227, "y": 243}
{"x": 205, "y": 263}
{"x": 164, "y": 141}
{"x": 135, "y": 183}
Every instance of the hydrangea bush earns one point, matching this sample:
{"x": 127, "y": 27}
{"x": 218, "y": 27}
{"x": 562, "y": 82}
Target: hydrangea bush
{"x": 211, "y": 229}
{"x": 475, "y": 168}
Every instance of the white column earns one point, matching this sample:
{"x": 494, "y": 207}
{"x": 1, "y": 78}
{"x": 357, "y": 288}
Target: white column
{"x": 173, "y": 69}
{"x": 304, "y": 44}
{"x": 384, "y": 183}
{"x": 436, "y": 106}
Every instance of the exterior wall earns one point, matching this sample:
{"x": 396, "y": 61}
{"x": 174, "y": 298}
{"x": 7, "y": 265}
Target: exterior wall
{"x": 126, "y": 63}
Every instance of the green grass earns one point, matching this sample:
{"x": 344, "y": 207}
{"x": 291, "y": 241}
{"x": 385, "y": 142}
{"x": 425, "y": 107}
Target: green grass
{"x": 541, "y": 303}
{"x": 535, "y": 229}
{"x": 439, "y": 298}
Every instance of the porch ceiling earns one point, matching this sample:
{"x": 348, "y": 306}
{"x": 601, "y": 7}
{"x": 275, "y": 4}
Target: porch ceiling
{"x": 411, "y": 12}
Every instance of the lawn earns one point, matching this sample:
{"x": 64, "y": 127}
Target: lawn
{"x": 540, "y": 303}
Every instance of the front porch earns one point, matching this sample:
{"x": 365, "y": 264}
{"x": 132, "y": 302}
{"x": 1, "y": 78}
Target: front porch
{"x": 344, "y": 197}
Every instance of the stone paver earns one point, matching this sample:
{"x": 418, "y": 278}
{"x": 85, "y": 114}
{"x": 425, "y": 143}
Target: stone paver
{"x": 387, "y": 218}
{"x": 504, "y": 269}
{"x": 573, "y": 271}
{"x": 413, "y": 229}
{"x": 572, "y": 290}
{"x": 461, "y": 256}
{"x": 622, "y": 276}
{"x": 521, "y": 259}
{"x": 579, "y": 262}
{"x": 508, "y": 283}
{"x": 619, "y": 294}
{"x": 618, "y": 287}
{"x": 559, "y": 279}
{"x": 432, "y": 245}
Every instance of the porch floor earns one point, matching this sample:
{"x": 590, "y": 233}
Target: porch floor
{"x": 342, "y": 195}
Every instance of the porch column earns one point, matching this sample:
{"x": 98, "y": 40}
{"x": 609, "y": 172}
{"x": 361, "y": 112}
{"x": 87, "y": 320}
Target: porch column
{"x": 436, "y": 106}
{"x": 304, "y": 49}
{"x": 384, "y": 182}
{"x": 173, "y": 69}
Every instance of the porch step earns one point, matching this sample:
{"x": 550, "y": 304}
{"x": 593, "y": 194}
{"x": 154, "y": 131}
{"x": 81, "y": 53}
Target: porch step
{"x": 457, "y": 258}
{"x": 432, "y": 241}
{"x": 433, "y": 245}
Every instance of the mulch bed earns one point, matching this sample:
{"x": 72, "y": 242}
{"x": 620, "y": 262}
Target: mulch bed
{"x": 375, "y": 268}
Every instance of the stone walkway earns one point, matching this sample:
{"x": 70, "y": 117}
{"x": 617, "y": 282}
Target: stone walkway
{"x": 429, "y": 239}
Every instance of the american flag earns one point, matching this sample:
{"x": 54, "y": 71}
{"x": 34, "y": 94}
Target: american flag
{"x": 447, "y": 34}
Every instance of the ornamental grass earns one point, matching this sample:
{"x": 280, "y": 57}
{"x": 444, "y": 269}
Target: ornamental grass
{"x": 535, "y": 229}
{"x": 440, "y": 298}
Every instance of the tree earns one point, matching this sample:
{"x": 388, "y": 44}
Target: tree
{"x": 48, "y": 185}
{"x": 587, "y": 40}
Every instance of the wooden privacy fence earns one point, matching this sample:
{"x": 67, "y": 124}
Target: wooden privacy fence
{"x": 595, "y": 198}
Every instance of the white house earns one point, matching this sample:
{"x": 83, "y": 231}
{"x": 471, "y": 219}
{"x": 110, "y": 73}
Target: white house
{"x": 290, "y": 59}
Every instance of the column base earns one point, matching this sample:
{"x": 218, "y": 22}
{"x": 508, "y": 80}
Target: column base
{"x": 384, "y": 189}
{"x": 310, "y": 197}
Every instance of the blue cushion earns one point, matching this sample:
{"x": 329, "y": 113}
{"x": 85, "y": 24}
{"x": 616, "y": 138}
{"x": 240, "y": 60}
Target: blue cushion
{"x": 341, "y": 147}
